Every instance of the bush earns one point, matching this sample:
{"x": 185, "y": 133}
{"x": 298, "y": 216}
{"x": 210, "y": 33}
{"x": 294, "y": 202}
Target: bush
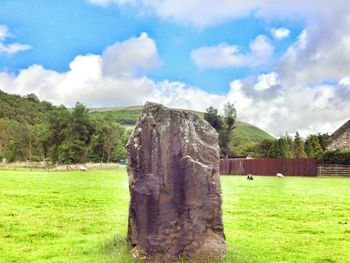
{"x": 335, "y": 157}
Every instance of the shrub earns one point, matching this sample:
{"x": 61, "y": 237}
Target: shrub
{"x": 335, "y": 157}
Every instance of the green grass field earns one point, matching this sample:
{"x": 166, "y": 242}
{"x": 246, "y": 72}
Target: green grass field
{"x": 82, "y": 217}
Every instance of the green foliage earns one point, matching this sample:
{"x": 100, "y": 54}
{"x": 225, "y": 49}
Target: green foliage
{"x": 82, "y": 217}
{"x": 279, "y": 149}
{"x": 274, "y": 150}
{"x": 309, "y": 150}
{"x": 212, "y": 116}
{"x": 230, "y": 116}
{"x": 126, "y": 116}
{"x": 298, "y": 147}
{"x": 225, "y": 134}
{"x": 312, "y": 146}
{"x": 33, "y": 130}
{"x": 324, "y": 140}
{"x": 286, "y": 147}
{"x": 335, "y": 157}
{"x": 224, "y": 125}
{"x": 246, "y": 139}
{"x": 288, "y": 140}
{"x": 108, "y": 140}
{"x": 243, "y": 138}
{"x": 261, "y": 149}
{"x": 25, "y": 109}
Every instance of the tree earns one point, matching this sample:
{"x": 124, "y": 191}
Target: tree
{"x": 5, "y": 135}
{"x": 212, "y": 116}
{"x": 290, "y": 145}
{"x": 41, "y": 134}
{"x": 224, "y": 125}
{"x": 77, "y": 135}
{"x": 309, "y": 150}
{"x": 323, "y": 139}
{"x": 57, "y": 122}
{"x": 261, "y": 149}
{"x": 282, "y": 148}
{"x": 279, "y": 149}
{"x": 225, "y": 135}
{"x": 298, "y": 148}
{"x": 314, "y": 148}
{"x": 108, "y": 141}
{"x": 32, "y": 97}
{"x": 230, "y": 116}
{"x": 274, "y": 150}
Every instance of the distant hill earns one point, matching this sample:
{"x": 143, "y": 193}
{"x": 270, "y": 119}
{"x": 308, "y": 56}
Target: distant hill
{"x": 22, "y": 109}
{"x": 20, "y": 112}
{"x": 245, "y": 136}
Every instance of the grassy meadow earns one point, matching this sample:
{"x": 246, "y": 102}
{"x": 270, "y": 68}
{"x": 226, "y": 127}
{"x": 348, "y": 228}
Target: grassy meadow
{"x": 82, "y": 217}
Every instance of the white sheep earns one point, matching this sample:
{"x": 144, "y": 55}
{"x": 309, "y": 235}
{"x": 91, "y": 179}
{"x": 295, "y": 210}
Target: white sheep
{"x": 279, "y": 175}
{"x": 83, "y": 168}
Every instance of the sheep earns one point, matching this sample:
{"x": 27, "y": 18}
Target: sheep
{"x": 279, "y": 175}
{"x": 83, "y": 168}
{"x": 250, "y": 177}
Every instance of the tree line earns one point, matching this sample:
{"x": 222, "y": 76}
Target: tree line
{"x": 33, "y": 130}
{"x": 223, "y": 124}
{"x": 287, "y": 147}
{"x": 284, "y": 147}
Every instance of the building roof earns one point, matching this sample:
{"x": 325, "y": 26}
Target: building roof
{"x": 340, "y": 131}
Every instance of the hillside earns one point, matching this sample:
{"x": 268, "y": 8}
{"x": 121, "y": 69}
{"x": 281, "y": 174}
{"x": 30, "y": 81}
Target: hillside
{"x": 25, "y": 110}
{"x": 21, "y": 111}
{"x": 245, "y": 136}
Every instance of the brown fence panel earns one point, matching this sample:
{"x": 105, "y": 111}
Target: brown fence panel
{"x": 289, "y": 167}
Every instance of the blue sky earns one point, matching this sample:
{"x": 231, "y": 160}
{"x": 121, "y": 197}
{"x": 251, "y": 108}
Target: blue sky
{"x": 261, "y": 56}
{"x": 60, "y": 30}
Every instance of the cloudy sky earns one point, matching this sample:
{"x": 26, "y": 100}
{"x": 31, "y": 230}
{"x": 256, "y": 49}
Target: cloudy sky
{"x": 284, "y": 64}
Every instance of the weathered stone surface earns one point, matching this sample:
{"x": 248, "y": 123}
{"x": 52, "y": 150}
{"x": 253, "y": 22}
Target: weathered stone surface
{"x": 175, "y": 207}
{"x": 340, "y": 139}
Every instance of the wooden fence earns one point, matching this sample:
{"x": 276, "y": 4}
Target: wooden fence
{"x": 289, "y": 167}
{"x": 333, "y": 170}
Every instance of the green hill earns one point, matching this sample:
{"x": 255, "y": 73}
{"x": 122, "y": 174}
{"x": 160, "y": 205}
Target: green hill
{"x": 26, "y": 124}
{"x": 245, "y": 136}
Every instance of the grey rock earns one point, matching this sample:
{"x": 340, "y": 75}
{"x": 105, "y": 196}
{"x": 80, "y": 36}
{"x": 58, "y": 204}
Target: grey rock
{"x": 173, "y": 168}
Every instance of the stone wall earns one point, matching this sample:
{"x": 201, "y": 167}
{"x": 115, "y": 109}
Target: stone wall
{"x": 341, "y": 142}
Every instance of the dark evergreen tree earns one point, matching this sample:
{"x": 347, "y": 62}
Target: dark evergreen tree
{"x": 299, "y": 151}
{"x": 323, "y": 139}
{"x": 290, "y": 147}
{"x": 212, "y": 116}
{"x": 309, "y": 150}
{"x": 274, "y": 150}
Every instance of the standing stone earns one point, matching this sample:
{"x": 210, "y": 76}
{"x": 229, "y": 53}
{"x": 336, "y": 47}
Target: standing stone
{"x": 175, "y": 207}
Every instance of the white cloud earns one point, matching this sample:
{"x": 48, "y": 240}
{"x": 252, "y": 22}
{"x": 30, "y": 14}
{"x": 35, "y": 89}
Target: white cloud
{"x": 322, "y": 53}
{"x": 266, "y": 81}
{"x": 309, "y": 109}
{"x": 12, "y": 48}
{"x": 117, "y": 77}
{"x": 265, "y": 101}
{"x": 4, "y": 32}
{"x": 203, "y": 13}
{"x": 280, "y": 33}
{"x": 180, "y": 95}
{"x": 133, "y": 57}
{"x": 290, "y": 97}
{"x": 199, "y": 13}
{"x": 224, "y": 55}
